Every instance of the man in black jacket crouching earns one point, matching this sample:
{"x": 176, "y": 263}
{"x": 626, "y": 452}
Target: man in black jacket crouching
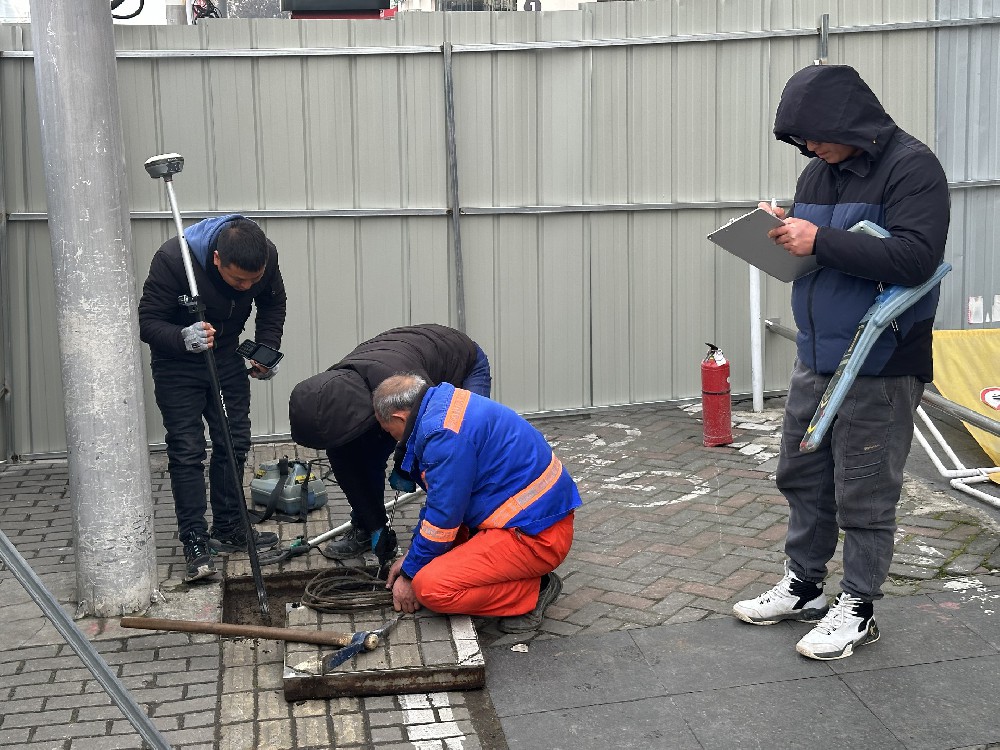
{"x": 332, "y": 411}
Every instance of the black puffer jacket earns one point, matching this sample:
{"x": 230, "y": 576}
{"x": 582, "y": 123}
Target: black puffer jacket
{"x": 335, "y": 406}
{"x": 161, "y": 318}
{"x": 896, "y": 182}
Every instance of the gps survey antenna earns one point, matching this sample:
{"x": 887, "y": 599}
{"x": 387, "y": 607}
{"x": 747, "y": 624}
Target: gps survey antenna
{"x": 164, "y": 167}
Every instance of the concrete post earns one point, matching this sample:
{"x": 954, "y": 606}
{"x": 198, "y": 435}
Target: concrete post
{"x": 83, "y": 153}
{"x": 176, "y": 12}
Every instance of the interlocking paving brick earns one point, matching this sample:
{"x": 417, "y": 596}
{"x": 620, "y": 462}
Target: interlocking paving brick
{"x": 670, "y": 532}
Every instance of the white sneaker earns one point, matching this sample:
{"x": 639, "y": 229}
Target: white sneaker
{"x": 791, "y": 599}
{"x": 847, "y": 625}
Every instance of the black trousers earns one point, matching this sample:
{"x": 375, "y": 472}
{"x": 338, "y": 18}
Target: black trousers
{"x": 359, "y": 468}
{"x": 184, "y": 394}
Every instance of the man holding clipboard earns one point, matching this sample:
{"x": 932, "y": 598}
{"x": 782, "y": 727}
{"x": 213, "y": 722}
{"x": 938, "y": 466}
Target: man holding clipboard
{"x": 862, "y": 167}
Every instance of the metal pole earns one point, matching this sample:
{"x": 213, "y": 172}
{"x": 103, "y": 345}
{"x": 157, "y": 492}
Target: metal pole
{"x": 453, "y": 202}
{"x": 930, "y": 398}
{"x": 6, "y": 357}
{"x": 82, "y": 148}
{"x": 824, "y": 40}
{"x": 79, "y": 643}
{"x": 756, "y": 347}
{"x": 963, "y": 413}
{"x": 176, "y": 12}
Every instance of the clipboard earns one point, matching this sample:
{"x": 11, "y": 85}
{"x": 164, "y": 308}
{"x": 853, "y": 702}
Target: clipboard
{"x": 746, "y": 238}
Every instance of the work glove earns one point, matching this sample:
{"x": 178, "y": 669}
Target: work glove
{"x": 195, "y": 337}
{"x": 267, "y": 374}
{"x": 400, "y": 483}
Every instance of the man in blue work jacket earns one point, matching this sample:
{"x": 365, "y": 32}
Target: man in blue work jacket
{"x": 499, "y": 513}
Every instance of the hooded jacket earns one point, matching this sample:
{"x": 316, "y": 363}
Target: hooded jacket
{"x": 484, "y": 467}
{"x": 334, "y": 407}
{"x": 161, "y": 318}
{"x": 896, "y": 182}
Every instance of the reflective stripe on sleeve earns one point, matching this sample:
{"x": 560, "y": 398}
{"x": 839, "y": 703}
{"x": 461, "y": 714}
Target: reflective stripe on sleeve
{"x": 432, "y": 533}
{"x": 456, "y": 410}
{"x": 525, "y": 497}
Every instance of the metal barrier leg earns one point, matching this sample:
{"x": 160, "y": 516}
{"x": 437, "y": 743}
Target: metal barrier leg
{"x": 79, "y": 643}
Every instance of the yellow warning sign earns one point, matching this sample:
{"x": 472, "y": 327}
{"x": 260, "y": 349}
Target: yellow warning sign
{"x": 967, "y": 371}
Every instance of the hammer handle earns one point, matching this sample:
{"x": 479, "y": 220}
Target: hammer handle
{"x": 321, "y": 637}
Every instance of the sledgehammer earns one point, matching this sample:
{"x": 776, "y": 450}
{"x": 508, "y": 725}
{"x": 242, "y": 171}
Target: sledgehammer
{"x": 320, "y": 637}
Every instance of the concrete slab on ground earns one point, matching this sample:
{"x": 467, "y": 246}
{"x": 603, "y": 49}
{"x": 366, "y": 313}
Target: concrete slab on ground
{"x": 422, "y": 652}
{"x": 721, "y": 683}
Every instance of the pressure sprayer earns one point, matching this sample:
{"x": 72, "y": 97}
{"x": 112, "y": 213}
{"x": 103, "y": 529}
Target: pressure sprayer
{"x": 716, "y": 403}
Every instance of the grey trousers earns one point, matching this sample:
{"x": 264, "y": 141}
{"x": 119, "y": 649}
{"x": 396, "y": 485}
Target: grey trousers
{"x": 851, "y": 482}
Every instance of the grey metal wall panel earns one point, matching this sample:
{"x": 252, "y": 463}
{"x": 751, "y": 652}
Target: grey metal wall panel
{"x": 656, "y": 321}
{"x": 564, "y": 312}
{"x": 969, "y": 147}
{"x": 23, "y": 180}
{"x": 518, "y": 289}
{"x": 610, "y": 319}
{"x": 147, "y": 236}
{"x": 575, "y": 308}
{"x": 36, "y": 386}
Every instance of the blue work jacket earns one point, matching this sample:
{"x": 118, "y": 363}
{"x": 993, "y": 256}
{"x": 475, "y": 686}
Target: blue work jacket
{"x": 483, "y": 466}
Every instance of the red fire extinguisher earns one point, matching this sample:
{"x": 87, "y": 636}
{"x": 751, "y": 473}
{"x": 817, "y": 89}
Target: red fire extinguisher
{"x": 716, "y": 405}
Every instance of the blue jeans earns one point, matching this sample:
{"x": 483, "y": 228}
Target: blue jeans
{"x": 184, "y": 394}
{"x": 851, "y": 482}
{"x": 479, "y": 379}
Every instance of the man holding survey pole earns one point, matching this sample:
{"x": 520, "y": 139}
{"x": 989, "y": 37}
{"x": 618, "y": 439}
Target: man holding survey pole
{"x": 236, "y": 268}
{"x": 862, "y": 167}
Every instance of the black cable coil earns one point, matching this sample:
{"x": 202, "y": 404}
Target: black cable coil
{"x": 346, "y": 590}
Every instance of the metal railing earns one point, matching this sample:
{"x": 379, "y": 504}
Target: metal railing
{"x": 931, "y": 399}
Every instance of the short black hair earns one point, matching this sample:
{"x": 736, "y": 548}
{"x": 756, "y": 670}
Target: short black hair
{"x": 242, "y": 243}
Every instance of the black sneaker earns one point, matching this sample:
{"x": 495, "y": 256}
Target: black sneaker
{"x": 531, "y": 620}
{"x": 198, "y": 556}
{"x": 354, "y": 543}
{"x": 236, "y": 541}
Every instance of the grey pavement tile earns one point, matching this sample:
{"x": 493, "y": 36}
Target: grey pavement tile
{"x": 723, "y": 653}
{"x": 940, "y": 631}
{"x": 816, "y": 712}
{"x": 935, "y": 706}
{"x": 569, "y": 673}
{"x": 977, "y": 607}
{"x": 650, "y": 723}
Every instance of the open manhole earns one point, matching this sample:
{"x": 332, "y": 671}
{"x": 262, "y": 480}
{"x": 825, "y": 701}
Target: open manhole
{"x": 241, "y": 604}
{"x": 425, "y": 652}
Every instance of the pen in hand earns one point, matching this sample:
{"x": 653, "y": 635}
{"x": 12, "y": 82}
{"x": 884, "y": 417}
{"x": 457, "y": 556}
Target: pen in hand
{"x": 771, "y": 208}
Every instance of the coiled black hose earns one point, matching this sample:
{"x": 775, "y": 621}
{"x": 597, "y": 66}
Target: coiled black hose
{"x": 346, "y": 590}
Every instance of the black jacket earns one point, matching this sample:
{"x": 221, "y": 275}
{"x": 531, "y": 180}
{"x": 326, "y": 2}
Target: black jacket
{"x": 895, "y": 182}
{"x": 161, "y": 318}
{"x": 335, "y": 406}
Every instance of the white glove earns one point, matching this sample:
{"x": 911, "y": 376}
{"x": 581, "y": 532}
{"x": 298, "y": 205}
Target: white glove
{"x": 268, "y": 374}
{"x": 195, "y": 337}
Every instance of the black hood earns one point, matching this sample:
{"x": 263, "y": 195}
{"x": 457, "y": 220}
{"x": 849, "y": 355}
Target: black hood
{"x": 330, "y": 409}
{"x": 831, "y": 104}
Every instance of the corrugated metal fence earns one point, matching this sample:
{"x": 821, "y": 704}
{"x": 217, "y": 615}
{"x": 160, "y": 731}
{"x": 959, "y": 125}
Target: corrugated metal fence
{"x": 594, "y": 150}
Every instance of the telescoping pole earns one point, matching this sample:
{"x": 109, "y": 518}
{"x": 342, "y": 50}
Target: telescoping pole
{"x": 166, "y": 166}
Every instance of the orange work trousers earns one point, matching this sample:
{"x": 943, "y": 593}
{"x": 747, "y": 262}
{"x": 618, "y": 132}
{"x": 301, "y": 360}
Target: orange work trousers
{"x": 495, "y": 573}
